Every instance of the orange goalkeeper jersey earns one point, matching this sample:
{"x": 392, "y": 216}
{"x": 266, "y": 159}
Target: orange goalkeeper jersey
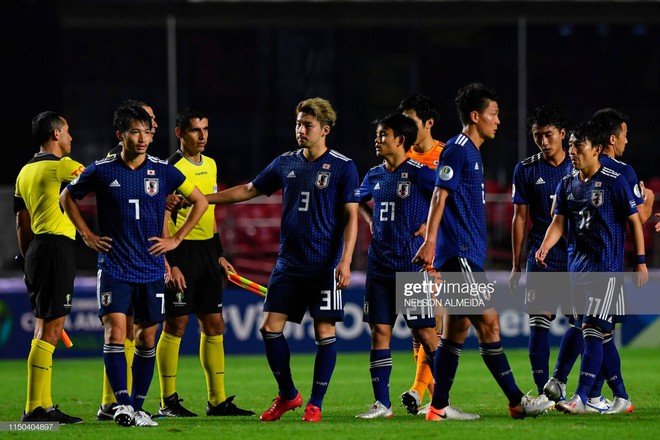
{"x": 430, "y": 158}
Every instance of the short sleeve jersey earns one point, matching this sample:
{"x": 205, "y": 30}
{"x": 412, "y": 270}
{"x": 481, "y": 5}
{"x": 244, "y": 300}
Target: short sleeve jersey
{"x": 401, "y": 204}
{"x": 429, "y": 158}
{"x": 313, "y": 199}
{"x": 597, "y": 212}
{"x": 131, "y": 209}
{"x": 463, "y": 225}
{"x": 628, "y": 174}
{"x": 204, "y": 176}
{"x": 534, "y": 184}
{"x": 38, "y": 187}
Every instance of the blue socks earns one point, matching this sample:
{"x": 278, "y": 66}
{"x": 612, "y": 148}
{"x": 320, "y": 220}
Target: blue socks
{"x": 279, "y": 358}
{"x": 380, "y": 368}
{"x": 143, "y": 372}
{"x": 539, "y": 350}
{"x": 570, "y": 348}
{"x": 445, "y": 365}
{"x": 592, "y": 359}
{"x": 611, "y": 368}
{"x": 324, "y": 366}
{"x": 115, "y": 367}
{"x": 493, "y": 355}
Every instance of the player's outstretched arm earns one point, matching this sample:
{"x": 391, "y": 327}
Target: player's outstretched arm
{"x": 235, "y": 194}
{"x": 426, "y": 253}
{"x": 638, "y": 239}
{"x": 518, "y": 227}
{"x": 343, "y": 270}
{"x": 199, "y": 206}
{"x": 552, "y": 236}
{"x": 93, "y": 241}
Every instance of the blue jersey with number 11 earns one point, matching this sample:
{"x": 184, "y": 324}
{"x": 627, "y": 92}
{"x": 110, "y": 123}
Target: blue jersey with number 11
{"x": 597, "y": 211}
{"x": 313, "y": 216}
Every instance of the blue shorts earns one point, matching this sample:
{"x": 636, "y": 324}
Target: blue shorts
{"x": 462, "y": 270}
{"x": 292, "y": 296}
{"x": 144, "y": 301}
{"x": 380, "y": 305}
{"x": 547, "y": 291}
{"x": 603, "y": 299}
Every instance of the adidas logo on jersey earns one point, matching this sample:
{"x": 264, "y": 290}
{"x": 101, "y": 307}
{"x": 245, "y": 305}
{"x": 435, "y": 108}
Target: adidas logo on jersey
{"x": 476, "y": 165}
{"x": 377, "y": 186}
{"x": 115, "y": 184}
{"x": 570, "y": 197}
{"x": 540, "y": 181}
{"x": 291, "y": 175}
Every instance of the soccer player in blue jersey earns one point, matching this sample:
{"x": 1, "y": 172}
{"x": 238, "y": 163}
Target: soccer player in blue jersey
{"x": 108, "y": 404}
{"x": 130, "y": 196}
{"x": 535, "y": 180}
{"x": 401, "y": 189}
{"x": 425, "y": 150}
{"x": 615, "y": 125}
{"x": 456, "y": 242}
{"x": 593, "y": 205}
{"x": 317, "y": 238}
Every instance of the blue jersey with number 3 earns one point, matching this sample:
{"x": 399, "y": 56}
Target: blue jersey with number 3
{"x": 463, "y": 225}
{"x": 131, "y": 209}
{"x": 311, "y": 234}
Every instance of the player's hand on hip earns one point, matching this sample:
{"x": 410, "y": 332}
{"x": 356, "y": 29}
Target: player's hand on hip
{"x": 99, "y": 244}
{"x": 343, "y": 275}
{"x": 425, "y": 254}
{"x": 163, "y": 245}
{"x": 514, "y": 279}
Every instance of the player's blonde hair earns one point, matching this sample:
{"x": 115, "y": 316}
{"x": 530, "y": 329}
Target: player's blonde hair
{"x": 320, "y": 108}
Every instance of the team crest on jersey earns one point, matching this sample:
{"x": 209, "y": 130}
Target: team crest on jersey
{"x": 106, "y": 299}
{"x": 322, "y": 179}
{"x": 151, "y": 186}
{"x": 403, "y": 189}
{"x": 597, "y": 197}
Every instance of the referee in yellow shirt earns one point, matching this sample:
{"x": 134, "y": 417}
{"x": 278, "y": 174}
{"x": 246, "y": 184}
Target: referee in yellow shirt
{"x": 197, "y": 268}
{"x": 46, "y": 241}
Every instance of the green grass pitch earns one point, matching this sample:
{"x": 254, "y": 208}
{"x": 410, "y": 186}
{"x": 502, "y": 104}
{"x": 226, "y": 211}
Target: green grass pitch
{"x": 77, "y": 388}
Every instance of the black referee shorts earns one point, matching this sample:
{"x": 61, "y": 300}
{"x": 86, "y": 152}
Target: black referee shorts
{"x": 50, "y": 269}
